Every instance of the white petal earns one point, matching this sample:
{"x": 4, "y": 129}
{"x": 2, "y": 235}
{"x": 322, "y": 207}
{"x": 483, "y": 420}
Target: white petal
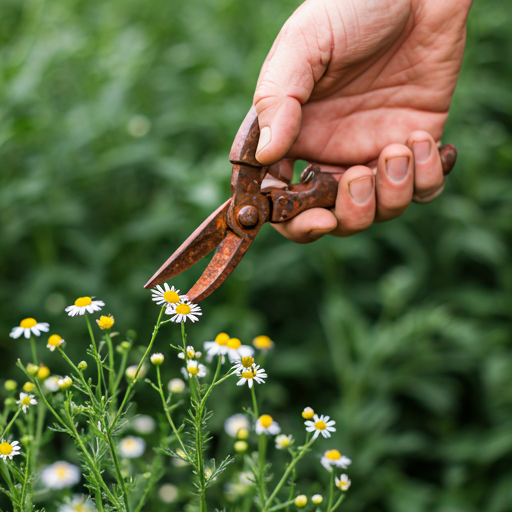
{"x": 315, "y": 435}
{"x": 35, "y": 330}
{"x": 27, "y": 333}
{"x": 43, "y": 326}
{"x": 16, "y": 332}
{"x": 310, "y": 429}
{"x": 241, "y": 382}
{"x": 326, "y": 434}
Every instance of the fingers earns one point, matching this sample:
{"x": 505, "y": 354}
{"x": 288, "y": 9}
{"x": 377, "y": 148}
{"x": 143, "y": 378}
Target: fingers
{"x": 428, "y": 175}
{"x": 394, "y": 181}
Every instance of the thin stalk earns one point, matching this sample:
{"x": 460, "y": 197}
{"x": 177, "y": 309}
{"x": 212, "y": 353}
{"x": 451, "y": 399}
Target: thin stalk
{"x": 4, "y": 469}
{"x": 79, "y": 374}
{"x": 331, "y": 490}
{"x": 122, "y": 368}
{"x": 111, "y": 370}
{"x": 8, "y": 427}
{"x": 292, "y": 488}
{"x": 254, "y": 403}
{"x": 33, "y": 348}
{"x": 25, "y": 479}
{"x": 99, "y": 502}
{"x": 117, "y": 468}
{"x": 262, "y": 447}
{"x": 338, "y": 503}
{"x": 96, "y": 356}
{"x": 281, "y": 505}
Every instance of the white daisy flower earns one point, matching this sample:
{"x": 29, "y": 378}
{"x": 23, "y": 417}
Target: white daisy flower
{"x": 176, "y": 386}
{"x": 263, "y": 343}
{"x": 167, "y": 295}
{"x": 343, "y": 482}
{"x": 194, "y": 369}
{"x": 334, "y": 458}
{"x": 267, "y": 425}
{"x": 236, "y": 351}
{"x": 144, "y": 424}
{"x": 132, "y": 370}
{"x": 251, "y": 375}
{"x": 9, "y": 450}
{"x": 54, "y": 341}
{"x": 29, "y": 326}
{"x": 60, "y": 474}
{"x": 79, "y": 503}
{"x": 236, "y": 423}
{"x": 320, "y": 425}
{"x": 52, "y": 383}
{"x": 84, "y": 305}
{"x": 168, "y": 493}
{"x": 183, "y": 311}
{"x": 218, "y": 347}
{"x": 132, "y": 447}
{"x": 26, "y": 401}
{"x": 283, "y": 441}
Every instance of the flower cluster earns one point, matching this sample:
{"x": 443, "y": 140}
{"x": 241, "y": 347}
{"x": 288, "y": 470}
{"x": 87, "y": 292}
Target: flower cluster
{"x": 175, "y": 304}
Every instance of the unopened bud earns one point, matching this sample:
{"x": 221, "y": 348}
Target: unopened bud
{"x": 82, "y": 366}
{"x": 247, "y": 361}
{"x": 157, "y": 359}
{"x": 32, "y": 369}
{"x": 241, "y": 446}
{"x": 65, "y": 383}
{"x": 10, "y": 385}
{"x": 28, "y": 387}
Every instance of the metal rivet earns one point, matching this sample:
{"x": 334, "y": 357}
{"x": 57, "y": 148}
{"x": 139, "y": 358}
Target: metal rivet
{"x": 248, "y": 216}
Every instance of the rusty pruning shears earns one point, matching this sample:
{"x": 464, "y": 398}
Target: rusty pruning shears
{"x": 233, "y": 226}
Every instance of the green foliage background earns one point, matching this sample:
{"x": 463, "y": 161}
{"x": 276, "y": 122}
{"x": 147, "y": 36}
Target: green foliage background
{"x": 402, "y": 333}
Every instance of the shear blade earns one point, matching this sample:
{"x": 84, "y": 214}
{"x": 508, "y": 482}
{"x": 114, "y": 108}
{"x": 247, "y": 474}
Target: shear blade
{"x": 199, "y": 244}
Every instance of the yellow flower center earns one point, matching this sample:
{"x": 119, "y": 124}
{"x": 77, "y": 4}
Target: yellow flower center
{"x": 234, "y": 343}
{"x": 171, "y": 297}
{"x": 193, "y": 370}
{"x": 27, "y": 323}
{"x": 222, "y": 339}
{"x": 333, "y": 454}
{"x": 262, "y": 342}
{"x": 105, "y": 322}
{"x": 248, "y": 374}
{"x": 79, "y": 508}
{"x": 266, "y": 420}
{"x": 5, "y": 448}
{"x": 247, "y": 361}
{"x": 43, "y": 372}
{"x": 54, "y": 340}
{"x": 83, "y": 301}
{"x": 183, "y": 309}
{"x": 25, "y": 401}
{"x": 61, "y": 471}
{"x": 320, "y": 425}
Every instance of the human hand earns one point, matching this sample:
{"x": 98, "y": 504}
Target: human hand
{"x": 361, "y": 81}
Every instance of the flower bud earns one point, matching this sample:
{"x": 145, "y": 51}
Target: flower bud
{"x": 125, "y": 345}
{"x": 176, "y": 386}
{"x": 10, "y": 385}
{"x": 26, "y": 439}
{"x": 301, "y": 501}
{"x": 242, "y": 433}
{"x": 43, "y": 372}
{"x": 8, "y": 402}
{"x": 191, "y": 352}
{"x": 82, "y": 366}
{"x": 247, "y": 361}
{"x": 241, "y": 446}
{"x": 28, "y": 387}
{"x": 32, "y": 369}
{"x": 157, "y": 359}
{"x": 65, "y": 383}
{"x": 308, "y": 413}
{"x": 317, "y": 499}
{"x": 105, "y": 322}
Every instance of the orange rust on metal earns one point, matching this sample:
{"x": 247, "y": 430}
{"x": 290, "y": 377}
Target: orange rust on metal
{"x": 200, "y": 243}
{"x": 243, "y": 150}
{"x": 448, "y": 157}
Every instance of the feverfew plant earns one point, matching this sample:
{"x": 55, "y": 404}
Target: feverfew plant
{"x": 90, "y": 405}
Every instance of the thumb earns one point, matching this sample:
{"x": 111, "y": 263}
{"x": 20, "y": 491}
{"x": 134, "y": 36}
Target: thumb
{"x": 295, "y": 63}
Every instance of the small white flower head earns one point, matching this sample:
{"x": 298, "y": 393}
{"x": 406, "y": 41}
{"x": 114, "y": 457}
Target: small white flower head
{"x": 144, "y": 424}
{"x": 59, "y": 475}
{"x": 235, "y": 423}
{"x": 218, "y": 347}
{"x": 194, "y": 369}
{"x": 157, "y": 359}
{"x": 9, "y": 450}
{"x": 131, "y": 371}
{"x": 236, "y": 351}
{"x": 29, "y": 326}
{"x": 320, "y": 425}
{"x": 52, "y": 383}
{"x": 308, "y": 413}
{"x": 167, "y": 296}
{"x": 78, "y": 503}
{"x": 263, "y": 343}
{"x": 26, "y": 401}
{"x": 317, "y": 499}
{"x": 267, "y": 425}
{"x": 176, "y": 386}
{"x": 301, "y": 501}
{"x": 343, "y": 482}
{"x": 191, "y": 353}
{"x": 132, "y": 447}
{"x": 183, "y": 311}
{"x": 283, "y": 441}
{"x": 54, "y": 341}
{"x": 84, "y": 305}
{"x": 251, "y": 375}
{"x": 168, "y": 493}
{"x": 65, "y": 383}
{"x": 333, "y": 458}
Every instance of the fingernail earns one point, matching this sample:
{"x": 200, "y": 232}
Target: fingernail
{"x": 361, "y": 189}
{"x": 421, "y": 150}
{"x": 397, "y": 168}
{"x": 265, "y": 138}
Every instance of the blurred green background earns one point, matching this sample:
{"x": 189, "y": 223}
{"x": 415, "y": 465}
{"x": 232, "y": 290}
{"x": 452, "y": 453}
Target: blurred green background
{"x": 116, "y": 119}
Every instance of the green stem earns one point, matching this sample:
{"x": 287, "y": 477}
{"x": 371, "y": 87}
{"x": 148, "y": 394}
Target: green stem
{"x": 338, "y": 503}
{"x": 122, "y": 369}
{"x": 33, "y": 348}
{"x": 286, "y": 473}
{"x": 117, "y": 468}
{"x": 99, "y": 502}
{"x": 25, "y": 481}
{"x": 262, "y": 447}
{"x": 132, "y": 383}
{"x": 4, "y": 469}
{"x": 8, "y": 427}
{"x": 111, "y": 370}
{"x": 184, "y": 337}
{"x": 254, "y": 404}
{"x": 79, "y": 375}
{"x": 292, "y": 489}
{"x": 331, "y": 490}
{"x": 96, "y": 356}
{"x": 281, "y": 505}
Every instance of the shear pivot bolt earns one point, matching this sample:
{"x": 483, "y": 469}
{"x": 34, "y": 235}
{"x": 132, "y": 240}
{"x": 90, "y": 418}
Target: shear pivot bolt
{"x": 248, "y": 216}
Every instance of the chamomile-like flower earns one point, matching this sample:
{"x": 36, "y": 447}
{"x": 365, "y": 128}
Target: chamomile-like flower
{"x": 132, "y": 447}
{"x": 26, "y": 401}
{"x": 84, "y": 305}
{"x": 183, "y": 311}
{"x": 60, "y": 474}
{"x": 52, "y": 383}
{"x": 283, "y": 441}
{"x": 267, "y": 425}
{"x": 176, "y": 386}
{"x": 144, "y": 424}
{"x": 320, "y": 425}
{"x": 218, "y": 347}
{"x": 334, "y": 458}
{"x": 263, "y": 343}
{"x": 308, "y": 413}
{"x": 235, "y": 423}
{"x": 168, "y": 295}
{"x": 194, "y": 369}
{"x": 54, "y": 341}
{"x": 236, "y": 351}
{"x": 29, "y": 326}
{"x": 78, "y": 503}
{"x": 9, "y": 450}
{"x": 343, "y": 482}
{"x": 251, "y": 375}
